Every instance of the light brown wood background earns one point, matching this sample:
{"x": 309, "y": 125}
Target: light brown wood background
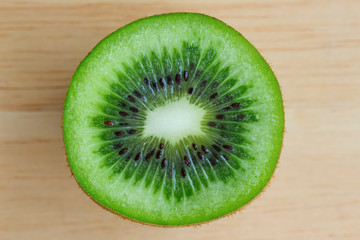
{"x": 313, "y": 47}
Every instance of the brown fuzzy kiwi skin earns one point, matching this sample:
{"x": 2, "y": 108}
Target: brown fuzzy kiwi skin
{"x": 194, "y": 225}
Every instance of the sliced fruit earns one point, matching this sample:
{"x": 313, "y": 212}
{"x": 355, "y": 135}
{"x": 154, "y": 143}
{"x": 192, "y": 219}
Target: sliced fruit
{"x": 173, "y": 119}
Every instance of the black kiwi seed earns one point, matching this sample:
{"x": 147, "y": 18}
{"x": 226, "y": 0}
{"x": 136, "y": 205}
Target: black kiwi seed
{"x": 217, "y": 148}
{"x": 146, "y": 81}
{"x": 220, "y": 116}
{"x": 194, "y": 146}
{"x": 124, "y": 114}
{"x": 163, "y": 163}
{"x": 211, "y": 124}
{"x": 203, "y": 83}
{"x": 235, "y": 105}
{"x": 138, "y": 156}
{"x": 162, "y": 82}
{"x": 178, "y": 79}
{"x": 226, "y": 108}
{"x": 109, "y": 123}
{"x": 228, "y": 147}
{"x": 159, "y": 154}
{"x": 240, "y": 117}
{"x": 212, "y": 161}
{"x": 155, "y": 86}
{"x": 222, "y": 126}
{"x": 122, "y": 104}
{"x": 169, "y": 81}
{"x": 123, "y": 151}
{"x": 205, "y": 150}
{"x": 216, "y": 156}
{"x": 132, "y": 131}
{"x": 116, "y": 146}
{"x": 161, "y": 146}
{"x": 134, "y": 109}
{"x": 186, "y": 76}
{"x": 149, "y": 155}
{"x": 124, "y": 124}
{"x": 201, "y": 157}
{"x": 183, "y": 172}
{"x": 190, "y": 91}
{"x": 128, "y": 157}
{"x": 213, "y": 96}
{"x": 137, "y": 94}
{"x": 228, "y": 98}
{"x": 131, "y": 98}
{"x": 193, "y": 160}
{"x": 214, "y": 85}
{"x": 187, "y": 161}
{"x": 119, "y": 133}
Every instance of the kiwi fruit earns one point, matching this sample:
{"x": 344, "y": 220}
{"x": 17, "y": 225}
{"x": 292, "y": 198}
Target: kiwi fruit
{"x": 174, "y": 119}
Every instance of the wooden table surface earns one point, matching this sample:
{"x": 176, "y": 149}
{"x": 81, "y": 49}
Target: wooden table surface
{"x": 313, "y": 47}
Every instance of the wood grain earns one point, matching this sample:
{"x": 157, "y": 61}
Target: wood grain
{"x": 314, "y": 49}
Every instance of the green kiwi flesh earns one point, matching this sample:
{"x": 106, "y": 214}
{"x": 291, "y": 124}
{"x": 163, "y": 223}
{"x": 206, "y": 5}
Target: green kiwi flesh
{"x": 173, "y": 65}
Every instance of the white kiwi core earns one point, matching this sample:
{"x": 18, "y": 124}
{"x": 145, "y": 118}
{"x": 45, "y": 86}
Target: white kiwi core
{"x": 174, "y": 121}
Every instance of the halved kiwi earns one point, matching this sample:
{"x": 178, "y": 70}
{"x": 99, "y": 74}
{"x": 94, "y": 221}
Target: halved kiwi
{"x": 173, "y": 119}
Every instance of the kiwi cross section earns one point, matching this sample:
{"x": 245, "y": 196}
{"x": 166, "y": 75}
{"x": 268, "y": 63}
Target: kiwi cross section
{"x": 176, "y": 170}
{"x": 185, "y": 62}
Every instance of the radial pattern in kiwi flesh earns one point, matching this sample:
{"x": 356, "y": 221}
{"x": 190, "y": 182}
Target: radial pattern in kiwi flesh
{"x": 173, "y": 119}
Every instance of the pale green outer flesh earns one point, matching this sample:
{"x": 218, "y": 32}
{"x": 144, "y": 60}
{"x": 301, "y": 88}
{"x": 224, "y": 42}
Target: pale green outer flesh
{"x": 95, "y": 74}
